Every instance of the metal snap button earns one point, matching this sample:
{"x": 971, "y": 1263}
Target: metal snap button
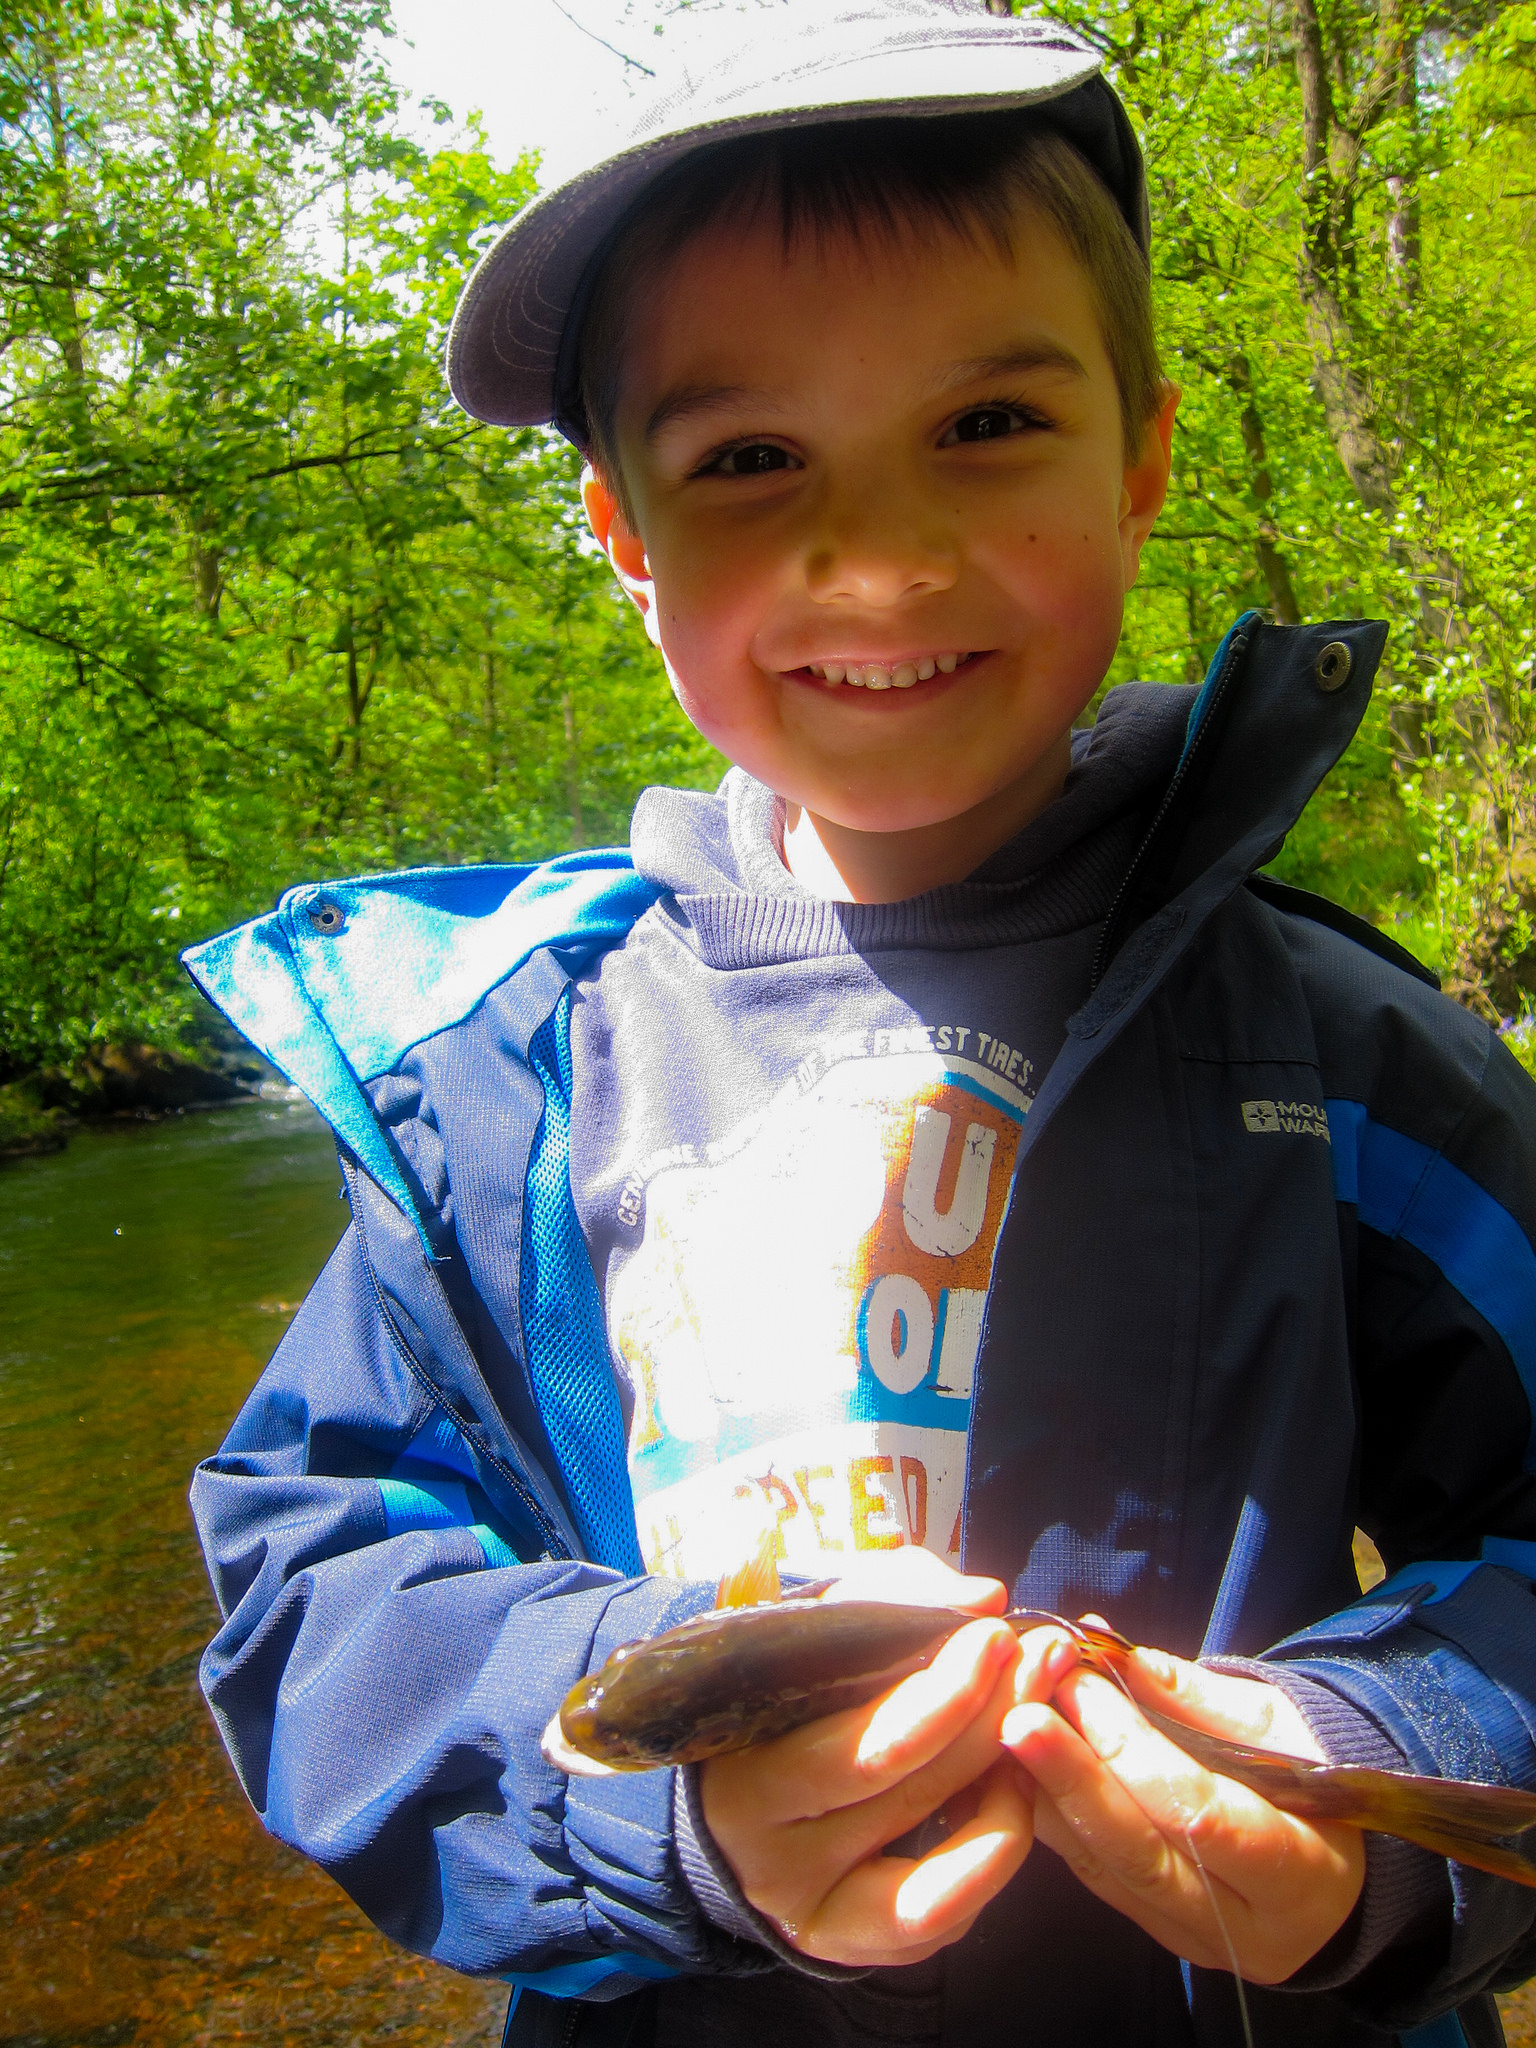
{"x": 326, "y": 916}
{"x": 1333, "y": 665}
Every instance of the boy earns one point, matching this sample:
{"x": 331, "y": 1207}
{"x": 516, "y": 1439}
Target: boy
{"x": 932, "y": 1148}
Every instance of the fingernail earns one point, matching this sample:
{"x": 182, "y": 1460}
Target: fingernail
{"x": 1019, "y": 1723}
{"x": 1063, "y": 1657}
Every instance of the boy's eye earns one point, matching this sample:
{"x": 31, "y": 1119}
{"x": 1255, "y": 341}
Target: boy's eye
{"x": 990, "y": 423}
{"x": 750, "y": 458}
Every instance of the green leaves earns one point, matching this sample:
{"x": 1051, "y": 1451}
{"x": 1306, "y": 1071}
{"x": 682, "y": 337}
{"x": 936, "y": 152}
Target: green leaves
{"x": 269, "y": 606}
{"x": 1345, "y": 290}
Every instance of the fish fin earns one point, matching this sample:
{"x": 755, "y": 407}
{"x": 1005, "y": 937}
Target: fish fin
{"x": 1485, "y": 1826}
{"x": 752, "y": 1583}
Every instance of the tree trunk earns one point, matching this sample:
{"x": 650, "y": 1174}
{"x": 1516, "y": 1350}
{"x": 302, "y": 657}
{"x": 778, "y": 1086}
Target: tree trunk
{"x": 490, "y": 721}
{"x": 70, "y": 344}
{"x": 1347, "y": 405}
{"x": 359, "y": 691}
{"x": 572, "y": 769}
{"x": 1272, "y": 564}
{"x": 207, "y": 579}
{"x": 1403, "y": 237}
{"x": 1331, "y": 148}
{"x": 354, "y": 713}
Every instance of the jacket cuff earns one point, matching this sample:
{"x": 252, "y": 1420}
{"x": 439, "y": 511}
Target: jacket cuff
{"x": 1406, "y": 1897}
{"x": 720, "y": 1898}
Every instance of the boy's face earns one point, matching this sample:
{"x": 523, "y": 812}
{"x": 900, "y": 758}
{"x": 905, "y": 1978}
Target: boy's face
{"x": 879, "y": 458}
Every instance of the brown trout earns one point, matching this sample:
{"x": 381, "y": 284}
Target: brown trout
{"x": 745, "y": 1673}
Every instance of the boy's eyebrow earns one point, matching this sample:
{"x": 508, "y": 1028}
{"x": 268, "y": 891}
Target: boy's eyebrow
{"x": 691, "y": 399}
{"x": 1037, "y": 353}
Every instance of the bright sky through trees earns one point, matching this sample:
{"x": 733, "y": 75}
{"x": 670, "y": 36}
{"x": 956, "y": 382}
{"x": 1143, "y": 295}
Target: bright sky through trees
{"x": 537, "y": 79}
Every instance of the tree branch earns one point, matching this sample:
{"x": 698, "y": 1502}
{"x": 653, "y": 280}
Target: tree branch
{"x": 61, "y": 494}
{"x": 161, "y": 709}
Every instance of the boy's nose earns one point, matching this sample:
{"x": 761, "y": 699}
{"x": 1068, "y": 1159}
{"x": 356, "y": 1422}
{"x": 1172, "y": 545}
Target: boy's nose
{"x": 875, "y": 547}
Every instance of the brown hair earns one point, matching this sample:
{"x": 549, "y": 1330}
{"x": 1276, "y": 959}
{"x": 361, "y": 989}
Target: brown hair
{"x": 965, "y": 173}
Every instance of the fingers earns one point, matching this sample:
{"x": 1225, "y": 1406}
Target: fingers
{"x": 1198, "y": 1940}
{"x": 1194, "y": 1858}
{"x": 1153, "y": 1793}
{"x": 1092, "y": 1820}
{"x": 1046, "y": 1656}
{"x": 914, "y": 1577}
{"x": 801, "y": 1818}
{"x": 855, "y": 1756}
{"x": 1241, "y": 1709}
{"x": 845, "y": 1835}
{"x": 890, "y": 1909}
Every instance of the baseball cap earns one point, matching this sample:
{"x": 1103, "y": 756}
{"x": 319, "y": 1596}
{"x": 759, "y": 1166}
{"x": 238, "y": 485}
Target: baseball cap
{"x": 512, "y": 347}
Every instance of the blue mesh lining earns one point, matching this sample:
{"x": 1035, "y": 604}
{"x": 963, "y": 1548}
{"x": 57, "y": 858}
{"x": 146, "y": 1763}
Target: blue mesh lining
{"x": 422, "y": 1503}
{"x": 562, "y": 1318}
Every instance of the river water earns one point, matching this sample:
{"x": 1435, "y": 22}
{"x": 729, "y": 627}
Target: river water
{"x": 147, "y": 1273}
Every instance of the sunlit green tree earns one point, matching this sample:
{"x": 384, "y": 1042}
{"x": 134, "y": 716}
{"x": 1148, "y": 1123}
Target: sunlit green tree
{"x": 269, "y": 605}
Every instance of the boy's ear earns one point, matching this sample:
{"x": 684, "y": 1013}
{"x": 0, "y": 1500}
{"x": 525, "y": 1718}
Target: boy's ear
{"x": 623, "y": 547}
{"x": 1145, "y": 483}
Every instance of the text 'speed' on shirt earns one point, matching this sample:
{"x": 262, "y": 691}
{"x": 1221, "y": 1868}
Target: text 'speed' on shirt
{"x": 793, "y": 1139}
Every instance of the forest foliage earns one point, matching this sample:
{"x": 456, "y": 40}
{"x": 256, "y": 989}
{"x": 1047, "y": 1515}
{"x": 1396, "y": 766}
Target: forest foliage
{"x": 271, "y": 608}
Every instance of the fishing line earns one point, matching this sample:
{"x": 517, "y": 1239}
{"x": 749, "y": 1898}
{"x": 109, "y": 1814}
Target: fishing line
{"x": 1107, "y": 1670}
{"x": 1237, "y": 1975}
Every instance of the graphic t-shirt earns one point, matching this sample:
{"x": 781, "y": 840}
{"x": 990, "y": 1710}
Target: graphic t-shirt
{"x": 794, "y": 1132}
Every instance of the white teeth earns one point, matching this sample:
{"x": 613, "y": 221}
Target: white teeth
{"x": 876, "y": 675}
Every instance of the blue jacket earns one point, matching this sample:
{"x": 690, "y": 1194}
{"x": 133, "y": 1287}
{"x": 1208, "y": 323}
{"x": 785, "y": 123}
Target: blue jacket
{"x": 1267, "y": 1272}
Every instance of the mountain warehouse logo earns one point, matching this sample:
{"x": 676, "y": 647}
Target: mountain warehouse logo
{"x": 1303, "y": 1119}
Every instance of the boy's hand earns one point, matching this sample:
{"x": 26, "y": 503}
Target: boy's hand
{"x": 1121, "y": 1805}
{"x": 802, "y": 1821}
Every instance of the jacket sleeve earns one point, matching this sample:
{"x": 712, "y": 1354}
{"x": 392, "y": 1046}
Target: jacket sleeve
{"x": 392, "y": 1649}
{"x": 1434, "y": 1138}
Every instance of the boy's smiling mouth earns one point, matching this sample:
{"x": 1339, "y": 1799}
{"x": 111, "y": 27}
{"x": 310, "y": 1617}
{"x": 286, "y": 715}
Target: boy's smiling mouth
{"x": 885, "y": 675}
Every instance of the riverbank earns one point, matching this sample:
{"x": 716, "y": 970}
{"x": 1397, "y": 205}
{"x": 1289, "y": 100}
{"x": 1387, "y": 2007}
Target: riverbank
{"x": 114, "y": 1082}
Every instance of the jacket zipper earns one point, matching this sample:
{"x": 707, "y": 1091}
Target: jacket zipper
{"x": 533, "y": 1506}
{"x": 1108, "y": 946}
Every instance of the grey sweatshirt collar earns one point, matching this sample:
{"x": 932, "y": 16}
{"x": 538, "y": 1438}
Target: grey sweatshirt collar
{"x": 719, "y": 856}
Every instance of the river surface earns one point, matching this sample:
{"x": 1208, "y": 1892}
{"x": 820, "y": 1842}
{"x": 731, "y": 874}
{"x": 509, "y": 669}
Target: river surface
{"x": 146, "y": 1274}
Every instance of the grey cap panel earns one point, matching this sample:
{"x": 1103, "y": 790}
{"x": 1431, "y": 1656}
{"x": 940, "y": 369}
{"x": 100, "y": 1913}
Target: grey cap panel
{"x": 882, "y": 58}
